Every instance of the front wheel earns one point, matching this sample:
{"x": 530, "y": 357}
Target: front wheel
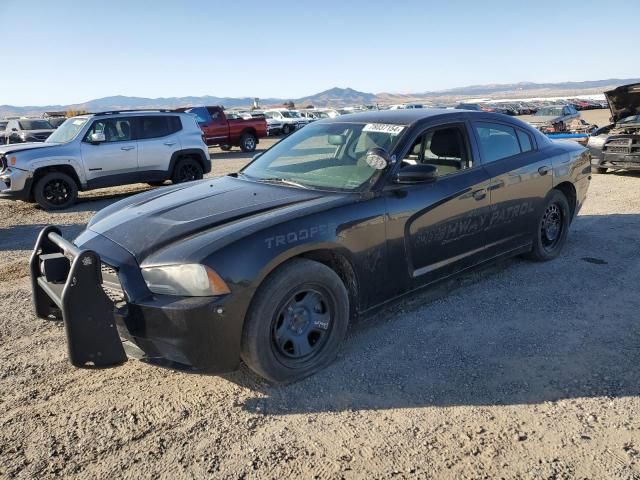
{"x": 187, "y": 170}
{"x": 55, "y": 191}
{"x": 286, "y": 129}
{"x": 296, "y": 322}
{"x": 552, "y": 228}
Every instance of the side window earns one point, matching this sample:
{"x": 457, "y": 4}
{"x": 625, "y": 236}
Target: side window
{"x": 215, "y": 114}
{"x": 496, "y": 141}
{"x": 202, "y": 115}
{"x": 175, "y": 125}
{"x": 525, "y": 141}
{"x": 444, "y": 147}
{"x": 153, "y": 127}
{"x": 114, "y": 129}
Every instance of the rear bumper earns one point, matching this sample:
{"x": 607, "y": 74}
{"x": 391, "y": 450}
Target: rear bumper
{"x": 194, "y": 333}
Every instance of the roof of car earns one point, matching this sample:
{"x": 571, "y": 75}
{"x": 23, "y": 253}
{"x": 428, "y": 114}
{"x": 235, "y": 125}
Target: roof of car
{"x": 400, "y": 117}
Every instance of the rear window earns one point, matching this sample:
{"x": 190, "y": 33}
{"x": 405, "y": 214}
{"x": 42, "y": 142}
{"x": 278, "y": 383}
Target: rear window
{"x": 496, "y": 141}
{"x": 34, "y": 125}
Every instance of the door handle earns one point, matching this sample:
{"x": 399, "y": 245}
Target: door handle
{"x": 479, "y": 194}
{"x": 169, "y": 144}
{"x": 543, "y": 170}
{"x": 126, "y": 149}
{"x": 496, "y": 185}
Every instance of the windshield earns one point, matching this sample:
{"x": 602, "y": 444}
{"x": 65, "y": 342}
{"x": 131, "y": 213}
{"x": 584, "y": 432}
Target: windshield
{"x": 3, "y": 126}
{"x": 68, "y": 130}
{"x": 34, "y": 125}
{"x": 326, "y": 156}
{"x": 288, "y": 114}
{"x": 549, "y": 112}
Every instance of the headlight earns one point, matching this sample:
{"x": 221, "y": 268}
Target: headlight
{"x": 191, "y": 280}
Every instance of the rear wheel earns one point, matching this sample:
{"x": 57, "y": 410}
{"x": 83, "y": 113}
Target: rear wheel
{"x": 248, "y": 142}
{"x": 552, "y": 229}
{"x": 187, "y": 170}
{"x": 286, "y": 129}
{"x": 55, "y": 191}
{"x": 296, "y": 322}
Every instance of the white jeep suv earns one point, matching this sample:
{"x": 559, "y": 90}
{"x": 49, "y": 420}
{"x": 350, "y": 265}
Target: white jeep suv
{"x": 103, "y": 150}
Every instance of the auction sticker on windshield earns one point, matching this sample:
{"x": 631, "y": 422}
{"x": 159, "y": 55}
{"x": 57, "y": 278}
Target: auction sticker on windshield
{"x": 383, "y": 128}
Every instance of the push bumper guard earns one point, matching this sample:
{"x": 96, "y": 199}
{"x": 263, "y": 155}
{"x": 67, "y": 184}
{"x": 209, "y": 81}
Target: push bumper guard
{"x": 67, "y": 280}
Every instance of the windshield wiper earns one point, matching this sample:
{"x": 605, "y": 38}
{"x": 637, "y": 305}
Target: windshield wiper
{"x": 283, "y": 181}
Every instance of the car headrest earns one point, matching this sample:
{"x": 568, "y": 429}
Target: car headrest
{"x": 446, "y": 143}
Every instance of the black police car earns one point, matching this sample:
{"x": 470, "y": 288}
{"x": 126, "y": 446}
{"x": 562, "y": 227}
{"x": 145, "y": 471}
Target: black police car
{"x": 268, "y": 265}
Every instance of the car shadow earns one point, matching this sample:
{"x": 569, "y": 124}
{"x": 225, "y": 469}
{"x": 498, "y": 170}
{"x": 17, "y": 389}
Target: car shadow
{"x": 516, "y": 332}
{"x": 23, "y": 237}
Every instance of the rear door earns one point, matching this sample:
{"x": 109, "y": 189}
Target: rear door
{"x": 521, "y": 177}
{"x": 435, "y": 229}
{"x": 114, "y": 161}
{"x": 157, "y": 142}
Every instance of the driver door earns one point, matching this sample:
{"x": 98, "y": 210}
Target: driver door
{"x": 114, "y": 161}
{"x": 435, "y": 229}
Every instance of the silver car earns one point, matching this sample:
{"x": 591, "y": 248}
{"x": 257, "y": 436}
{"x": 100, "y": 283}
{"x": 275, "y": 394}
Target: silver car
{"x": 104, "y": 150}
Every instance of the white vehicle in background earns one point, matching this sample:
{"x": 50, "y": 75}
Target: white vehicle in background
{"x": 290, "y": 119}
{"x": 274, "y": 127}
{"x": 403, "y": 106}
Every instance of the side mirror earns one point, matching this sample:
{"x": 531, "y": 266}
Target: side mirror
{"x": 97, "y": 138}
{"x": 421, "y": 173}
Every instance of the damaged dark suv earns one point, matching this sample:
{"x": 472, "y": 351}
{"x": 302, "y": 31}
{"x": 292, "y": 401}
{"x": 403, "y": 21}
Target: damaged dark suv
{"x": 617, "y": 145}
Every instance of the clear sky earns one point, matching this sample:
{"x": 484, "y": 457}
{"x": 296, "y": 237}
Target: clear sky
{"x": 62, "y": 51}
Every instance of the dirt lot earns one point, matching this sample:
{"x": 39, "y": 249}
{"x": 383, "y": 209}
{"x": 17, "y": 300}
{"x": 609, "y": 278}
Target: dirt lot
{"x": 521, "y": 370}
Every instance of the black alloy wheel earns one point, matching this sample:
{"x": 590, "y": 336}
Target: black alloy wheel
{"x": 55, "y": 191}
{"x": 187, "y": 170}
{"x": 302, "y": 325}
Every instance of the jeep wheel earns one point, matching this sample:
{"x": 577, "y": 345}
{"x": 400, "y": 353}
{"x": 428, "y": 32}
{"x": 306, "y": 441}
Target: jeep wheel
{"x": 226, "y": 148}
{"x": 186, "y": 170}
{"x": 248, "y": 142}
{"x": 55, "y": 191}
{"x": 286, "y": 129}
{"x": 552, "y": 229}
{"x": 296, "y": 322}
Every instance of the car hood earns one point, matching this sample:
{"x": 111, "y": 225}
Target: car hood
{"x": 624, "y": 101}
{"x": 152, "y": 221}
{"x": 20, "y": 147}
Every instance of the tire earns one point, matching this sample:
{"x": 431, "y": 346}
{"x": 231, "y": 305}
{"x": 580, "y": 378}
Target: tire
{"x": 600, "y": 170}
{"x": 156, "y": 184}
{"x": 286, "y": 129}
{"x": 296, "y": 322}
{"x": 225, "y": 148}
{"x": 552, "y": 228}
{"x": 55, "y": 191}
{"x": 187, "y": 170}
{"x": 248, "y": 142}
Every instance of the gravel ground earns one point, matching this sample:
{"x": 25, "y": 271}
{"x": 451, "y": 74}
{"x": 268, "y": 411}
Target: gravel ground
{"x": 521, "y": 370}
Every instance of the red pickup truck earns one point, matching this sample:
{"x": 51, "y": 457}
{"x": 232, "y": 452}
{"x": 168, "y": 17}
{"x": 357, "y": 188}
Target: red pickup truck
{"x": 228, "y": 130}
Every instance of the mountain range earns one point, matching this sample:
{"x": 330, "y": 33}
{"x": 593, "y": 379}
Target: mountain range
{"x": 335, "y": 97}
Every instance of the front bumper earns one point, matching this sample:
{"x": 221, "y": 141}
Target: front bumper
{"x": 15, "y": 184}
{"x": 194, "y": 333}
{"x": 621, "y": 161}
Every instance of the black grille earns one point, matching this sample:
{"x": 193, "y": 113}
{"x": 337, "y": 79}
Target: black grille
{"x": 111, "y": 283}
